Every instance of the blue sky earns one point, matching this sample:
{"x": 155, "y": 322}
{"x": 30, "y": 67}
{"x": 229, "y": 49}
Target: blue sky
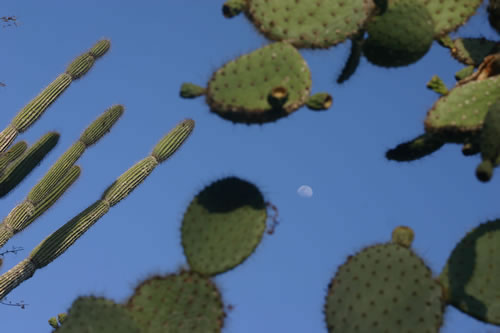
{"x": 359, "y": 196}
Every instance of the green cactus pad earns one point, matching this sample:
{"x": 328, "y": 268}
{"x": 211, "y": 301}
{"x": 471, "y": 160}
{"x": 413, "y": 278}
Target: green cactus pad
{"x": 23, "y": 165}
{"x": 354, "y": 58}
{"x": 489, "y": 143}
{"x": 494, "y": 14}
{"x": 100, "y": 48}
{"x": 384, "y": 288}
{"x": 470, "y": 276}
{"x": 437, "y": 85}
{"x": 415, "y": 149}
{"x": 472, "y": 51}
{"x": 309, "y": 24}
{"x": 239, "y": 90}
{"x": 231, "y": 8}
{"x": 461, "y": 113}
{"x": 99, "y": 315}
{"x": 464, "y": 72}
{"x": 400, "y": 36}
{"x": 185, "y": 302}
{"x": 173, "y": 140}
{"x": 320, "y": 102}
{"x": 223, "y": 225}
{"x": 448, "y": 15}
{"x": 190, "y": 90}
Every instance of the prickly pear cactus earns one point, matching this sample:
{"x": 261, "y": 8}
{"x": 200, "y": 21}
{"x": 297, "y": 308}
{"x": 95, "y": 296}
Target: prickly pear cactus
{"x": 472, "y": 51}
{"x": 261, "y": 86}
{"x": 470, "y": 277}
{"x": 384, "y": 288}
{"x": 494, "y": 14}
{"x": 415, "y": 149}
{"x": 309, "y": 24}
{"x": 185, "y": 302}
{"x": 449, "y": 15}
{"x": 461, "y": 113}
{"x": 96, "y": 314}
{"x": 400, "y": 36}
{"x": 489, "y": 143}
{"x": 223, "y": 225}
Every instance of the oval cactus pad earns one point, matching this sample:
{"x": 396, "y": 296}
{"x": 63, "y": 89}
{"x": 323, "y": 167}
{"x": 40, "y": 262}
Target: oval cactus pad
{"x": 239, "y": 91}
{"x": 223, "y": 225}
{"x": 310, "y": 24}
{"x": 185, "y": 302}
{"x": 471, "y": 273}
{"x": 462, "y": 111}
{"x": 450, "y": 14}
{"x": 384, "y": 288}
{"x": 93, "y": 314}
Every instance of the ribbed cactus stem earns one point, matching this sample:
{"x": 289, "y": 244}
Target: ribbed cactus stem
{"x": 34, "y": 109}
{"x": 12, "y": 154}
{"x": 20, "y": 168}
{"x": 100, "y": 48}
{"x": 173, "y": 140}
{"x": 7, "y": 136}
{"x": 59, "y": 241}
{"x": 102, "y": 125}
{"x": 56, "y": 172}
{"x": 15, "y": 276}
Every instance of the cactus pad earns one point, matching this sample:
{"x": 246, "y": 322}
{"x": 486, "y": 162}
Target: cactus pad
{"x": 448, "y": 15}
{"x": 223, "y": 225}
{"x": 470, "y": 276}
{"x": 384, "y": 288}
{"x": 92, "y": 314}
{"x": 415, "y": 149}
{"x": 400, "y": 36}
{"x": 472, "y": 51}
{"x": 461, "y": 112}
{"x": 185, "y": 302}
{"x": 489, "y": 143}
{"x": 239, "y": 91}
{"x": 310, "y": 24}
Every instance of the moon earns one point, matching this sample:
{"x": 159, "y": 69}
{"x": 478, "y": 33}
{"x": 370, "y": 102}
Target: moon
{"x": 305, "y": 191}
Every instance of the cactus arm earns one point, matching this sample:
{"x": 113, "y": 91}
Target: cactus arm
{"x": 59, "y": 241}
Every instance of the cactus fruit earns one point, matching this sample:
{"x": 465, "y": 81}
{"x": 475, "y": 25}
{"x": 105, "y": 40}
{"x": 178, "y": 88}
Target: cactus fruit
{"x": 53, "y": 322}
{"x": 23, "y": 165}
{"x": 239, "y": 90}
{"x": 36, "y": 107}
{"x": 403, "y": 236}
{"x": 400, "y": 36}
{"x": 223, "y": 225}
{"x": 437, "y": 85}
{"x": 470, "y": 277}
{"x": 417, "y": 148}
{"x": 384, "y": 288}
{"x": 489, "y": 143}
{"x": 309, "y": 24}
{"x": 461, "y": 113}
{"x": 233, "y": 7}
{"x": 97, "y": 314}
{"x": 184, "y": 302}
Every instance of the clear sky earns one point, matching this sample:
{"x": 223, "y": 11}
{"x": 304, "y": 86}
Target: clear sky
{"x": 358, "y": 196}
